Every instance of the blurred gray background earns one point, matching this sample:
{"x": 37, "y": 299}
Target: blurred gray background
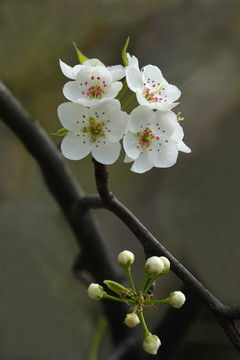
{"x": 192, "y": 208}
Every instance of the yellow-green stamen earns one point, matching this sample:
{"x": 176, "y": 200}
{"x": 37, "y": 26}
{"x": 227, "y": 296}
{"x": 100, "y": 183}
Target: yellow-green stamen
{"x": 146, "y": 137}
{"x": 95, "y": 129}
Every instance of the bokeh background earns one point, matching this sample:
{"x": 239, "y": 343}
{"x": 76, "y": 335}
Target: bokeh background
{"x": 192, "y": 208}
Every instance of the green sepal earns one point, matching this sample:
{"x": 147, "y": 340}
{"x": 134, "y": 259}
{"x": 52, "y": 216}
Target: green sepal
{"x": 116, "y": 287}
{"x": 80, "y": 55}
{"x": 61, "y": 132}
{"x": 124, "y": 50}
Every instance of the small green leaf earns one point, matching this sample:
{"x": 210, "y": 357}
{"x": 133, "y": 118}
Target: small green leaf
{"x": 80, "y": 55}
{"x": 61, "y": 132}
{"x": 124, "y": 50}
{"x": 116, "y": 287}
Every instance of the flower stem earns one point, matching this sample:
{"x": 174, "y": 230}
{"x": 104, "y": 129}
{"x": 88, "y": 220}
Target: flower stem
{"x": 158, "y": 301}
{"x": 143, "y": 323}
{"x": 122, "y": 91}
{"x": 144, "y": 282}
{"x": 149, "y": 284}
{"x": 128, "y": 101}
{"x": 98, "y": 333}
{"x": 128, "y": 271}
{"x": 110, "y": 297}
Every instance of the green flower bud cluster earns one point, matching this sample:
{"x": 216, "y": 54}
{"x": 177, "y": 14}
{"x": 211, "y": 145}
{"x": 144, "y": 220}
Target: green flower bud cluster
{"x": 138, "y": 301}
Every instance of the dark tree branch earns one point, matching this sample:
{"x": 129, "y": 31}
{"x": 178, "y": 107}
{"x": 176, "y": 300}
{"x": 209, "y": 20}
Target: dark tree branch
{"x": 94, "y": 252}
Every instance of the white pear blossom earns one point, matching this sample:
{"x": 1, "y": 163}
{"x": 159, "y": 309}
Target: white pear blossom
{"x": 126, "y": 258}
{"x": 177, "y": 299}
{"x": 131, "y": 320}
{"x": 96, "y": 130}
{"x": 153, "y": 139}
{"x": 151, "y": 344}
{"x": 151, "y": 88}
{"x": 93, "y": 82}
{"x": 95, "y": 292}
{"x": 117, "y": 71}
{"x": 154, "y": 265}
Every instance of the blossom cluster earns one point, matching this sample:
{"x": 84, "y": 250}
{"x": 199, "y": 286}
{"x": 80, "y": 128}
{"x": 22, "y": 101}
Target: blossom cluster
{"x": 94, "y": 121}
{"x": 138, "y": 301}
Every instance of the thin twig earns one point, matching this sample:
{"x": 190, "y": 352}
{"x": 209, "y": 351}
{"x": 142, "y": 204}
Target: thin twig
{"x": 102, "y": 181}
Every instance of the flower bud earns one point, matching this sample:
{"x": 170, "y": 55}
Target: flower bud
{"x": 177, "y": 299}
{"x": 131, "y": 320}
{"x": 95, "y": 292}
{"x": 166, "y": 264}
{"x": 126, "y": 258}
{"x": 116, "y": 287}
{"x": 151, "y": 344}
{"x": 154, "y": 265}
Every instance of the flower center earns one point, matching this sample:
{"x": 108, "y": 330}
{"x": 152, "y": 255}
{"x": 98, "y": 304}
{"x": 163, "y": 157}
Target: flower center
{"x": 95, "y": 91}
{"x": 94, "y": 129}
{"x": 146, "y": 137}
{"x": 93, "y": 82}
{"x": 153, "y": 95}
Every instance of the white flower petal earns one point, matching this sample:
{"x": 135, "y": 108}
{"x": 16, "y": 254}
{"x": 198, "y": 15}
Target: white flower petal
{"x": 76, "y": 69}
{"x": 134, "y": 78}
{"x": 114, "y": 90}
{"x": 89, "y": 102}
{"x": 75, "y": 147}
{"x": 117, "y": 126}
{"x": 183, "y": 147}
{"x": 118, "y": 72}
{"x": 166, "y": 106}
{"x": 107, "y": 109}
{"x": 144, "y": 162}
{"x": 127, "y": 159}
{"x": 166, "y": 122}
{"x": 152, "y": 74}
{"x": 66, "y": 70}
{"x": 72, "y": 116}
{"x": 141, "y": 117}
{"x": 177, "y": 134}
{"x": 105, "y": 152}
{"x": 173, "y": 93}
{"x": 167, "y": 154}
{"x": 130, "y": 143}
{"x": 93, "y": 62}
{"x": 71, "y": 91}
{"x": 132, "y": 61}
